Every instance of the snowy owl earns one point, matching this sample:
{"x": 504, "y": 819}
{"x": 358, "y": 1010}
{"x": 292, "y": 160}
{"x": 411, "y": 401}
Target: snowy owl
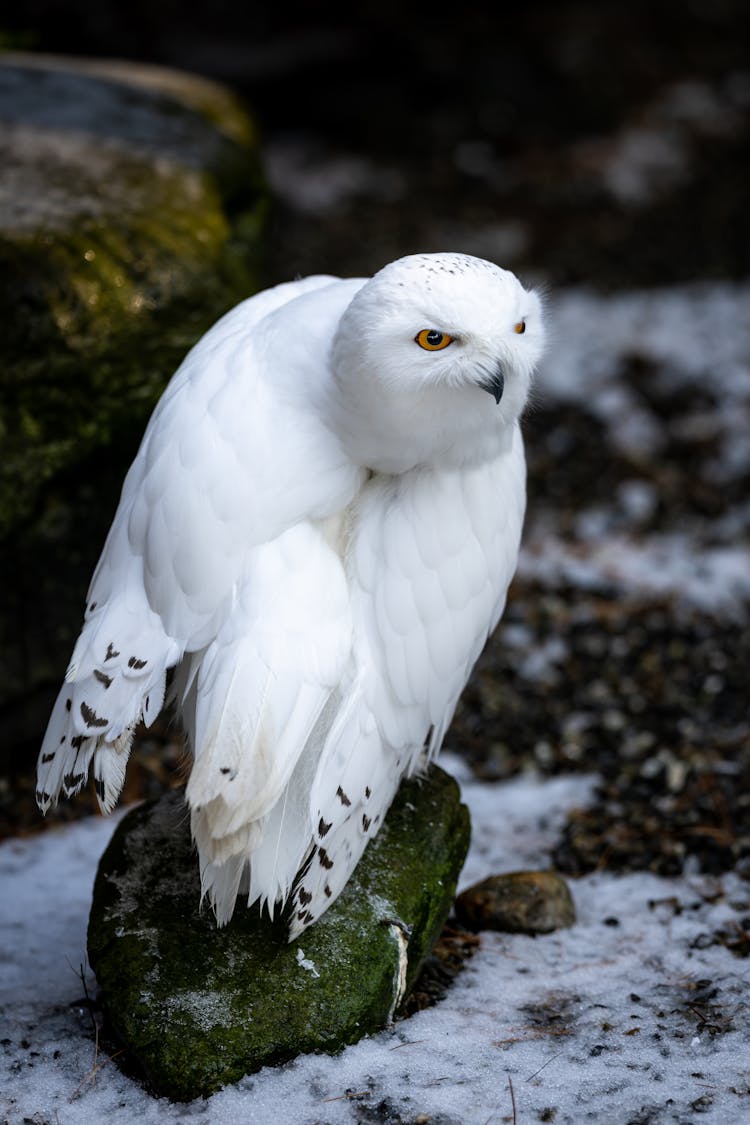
{"x": 317, "y": 534}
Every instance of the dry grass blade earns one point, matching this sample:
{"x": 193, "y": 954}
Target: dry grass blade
{"x": 512, "y": 1100}
{"x": 350, "y": 1095}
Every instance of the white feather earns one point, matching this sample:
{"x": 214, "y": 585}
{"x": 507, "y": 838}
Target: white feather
{"x": 317, "y": 533}
{"x": 260, "y": 690}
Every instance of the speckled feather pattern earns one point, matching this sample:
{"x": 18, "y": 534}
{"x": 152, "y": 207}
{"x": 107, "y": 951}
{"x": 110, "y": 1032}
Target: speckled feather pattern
{"x": 317, "y": 534}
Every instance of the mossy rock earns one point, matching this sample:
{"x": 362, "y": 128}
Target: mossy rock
{"x": 132, "y": 206}
{"x": 198, "y": 1007}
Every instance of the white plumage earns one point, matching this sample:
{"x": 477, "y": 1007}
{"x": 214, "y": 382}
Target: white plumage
{"x": 317, "y": 533}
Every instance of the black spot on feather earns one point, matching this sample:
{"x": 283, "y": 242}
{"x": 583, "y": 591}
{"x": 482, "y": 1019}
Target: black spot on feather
{"x": 304, "y": 896}
{"x": 43, "y": 798}
{"x": 325, "y": 859}
{"x": 366, "y": 822}
{"x": 68, "y": 704}
{"x": 134, "y": 662}
{"x": 323, "y": 827}
{"x": 90, "y": 718}
{"x": 343, "y": 797}
{"x": 99, "y": 787}
{"x": 77, "y": 741}
{"x": 111, "y": 652}
{"x": 103, "y": 678}
{"x": 368, "y": 792}
{"x": 73, "y": 780}
{"x": 327, "y": 890}
{"x": 47, "y": 758}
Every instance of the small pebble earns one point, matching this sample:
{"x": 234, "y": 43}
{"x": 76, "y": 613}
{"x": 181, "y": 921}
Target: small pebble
{"x": 522, "y": 902}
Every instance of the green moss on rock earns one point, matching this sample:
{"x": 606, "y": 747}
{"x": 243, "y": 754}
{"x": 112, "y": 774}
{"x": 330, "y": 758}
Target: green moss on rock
{"x": 131, "y": 219}
{"x": 199, "y": 1007}
{"x": 129, "y": 226}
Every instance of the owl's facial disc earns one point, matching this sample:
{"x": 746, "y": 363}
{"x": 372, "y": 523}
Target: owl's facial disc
{"x": 494, "y": 383}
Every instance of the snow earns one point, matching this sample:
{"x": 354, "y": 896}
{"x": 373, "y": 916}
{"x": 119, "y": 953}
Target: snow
{"x": 306, "y": 963}
{"x": 715, "y": 578}
{"x": 657, "y": 152}
{"x": 317, "y": 183}
{"x": 597, "y": 1021}
{"x": 696, "y": 338}
{"x": 696, "y": 335}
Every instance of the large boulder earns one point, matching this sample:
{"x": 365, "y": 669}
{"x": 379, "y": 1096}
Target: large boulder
{"x": 130, "y": 207}
{"x": 199, "y": 1007}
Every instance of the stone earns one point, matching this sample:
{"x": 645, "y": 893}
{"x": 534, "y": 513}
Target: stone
{"x": 131, "y": 207}
{"x": 199, "y": 1007}
{"x": 521, "y": 902}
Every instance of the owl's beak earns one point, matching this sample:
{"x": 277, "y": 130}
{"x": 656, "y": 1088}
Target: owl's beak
{"x": 495, "y": 383}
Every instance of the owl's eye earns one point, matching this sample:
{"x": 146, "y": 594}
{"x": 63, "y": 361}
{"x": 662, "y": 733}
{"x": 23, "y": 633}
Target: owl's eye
{"x": 520, "y": 328}
{"x": 432, "y": 340}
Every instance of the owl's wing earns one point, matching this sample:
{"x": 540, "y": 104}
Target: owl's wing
{"x": 431, "y": 562}
{"x": 225, "y": 461}
{"x": 230, "y": 459}
{"x": 254, "y": 699}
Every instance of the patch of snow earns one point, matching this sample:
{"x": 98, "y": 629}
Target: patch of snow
{"x": 638, "y": 499}
{"x": 601, "y": 1021}
{"x": 619, "y": 356}
{"x": 657, "y": 151}
{"x": 715, "y": 579}
{"x": 645, "y": 162}
{"x": 306, "y": 964}
{"x": 317, "y": 183}
{"x": 696, "y": 336}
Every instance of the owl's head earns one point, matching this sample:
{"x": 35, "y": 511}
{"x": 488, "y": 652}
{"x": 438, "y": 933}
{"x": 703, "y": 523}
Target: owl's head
{"x": 433, "y": 361}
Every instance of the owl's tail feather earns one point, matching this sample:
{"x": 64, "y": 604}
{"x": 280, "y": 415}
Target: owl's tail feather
{"x": 355, "y": 782}
{"x": 251, "y": 729}
{"x": 109, "y": 688}
{"x": 256, "y": 703}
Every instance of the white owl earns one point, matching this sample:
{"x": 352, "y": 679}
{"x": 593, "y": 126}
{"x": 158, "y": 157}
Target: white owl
{"x": 317, "y": 534}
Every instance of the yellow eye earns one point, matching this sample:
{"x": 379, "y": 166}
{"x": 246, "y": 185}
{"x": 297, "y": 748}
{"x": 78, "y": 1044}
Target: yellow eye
{"x": 520, "y": 328}
{"x": 432, "y": 340}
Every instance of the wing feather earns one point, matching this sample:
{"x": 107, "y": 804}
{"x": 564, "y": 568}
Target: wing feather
{"x": 216, "y": 474}
{"x": 430, "y": 567}
{"x": 260, "y": 690}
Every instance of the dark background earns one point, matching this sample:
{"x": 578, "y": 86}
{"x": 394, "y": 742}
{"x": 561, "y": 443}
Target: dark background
{"x": 486, "y": 113}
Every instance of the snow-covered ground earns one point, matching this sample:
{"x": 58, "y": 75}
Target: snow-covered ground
{"x": 631, "y": 1011}
{"x": 689, "y": 395}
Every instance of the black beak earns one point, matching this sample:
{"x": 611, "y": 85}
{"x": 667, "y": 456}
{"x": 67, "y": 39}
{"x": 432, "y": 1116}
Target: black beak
{"x": 495, "y": 384}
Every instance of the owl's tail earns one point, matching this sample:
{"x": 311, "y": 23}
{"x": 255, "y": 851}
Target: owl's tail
{"x": 116, "y": 678}
{"x": 256, "y": 704}
{"x": 249, "y": 735}
{"x": 355, "y": 781}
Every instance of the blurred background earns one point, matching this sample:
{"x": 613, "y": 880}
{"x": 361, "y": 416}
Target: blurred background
{"x": 600, "y": 150}
{"x": 587, "y": 142}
